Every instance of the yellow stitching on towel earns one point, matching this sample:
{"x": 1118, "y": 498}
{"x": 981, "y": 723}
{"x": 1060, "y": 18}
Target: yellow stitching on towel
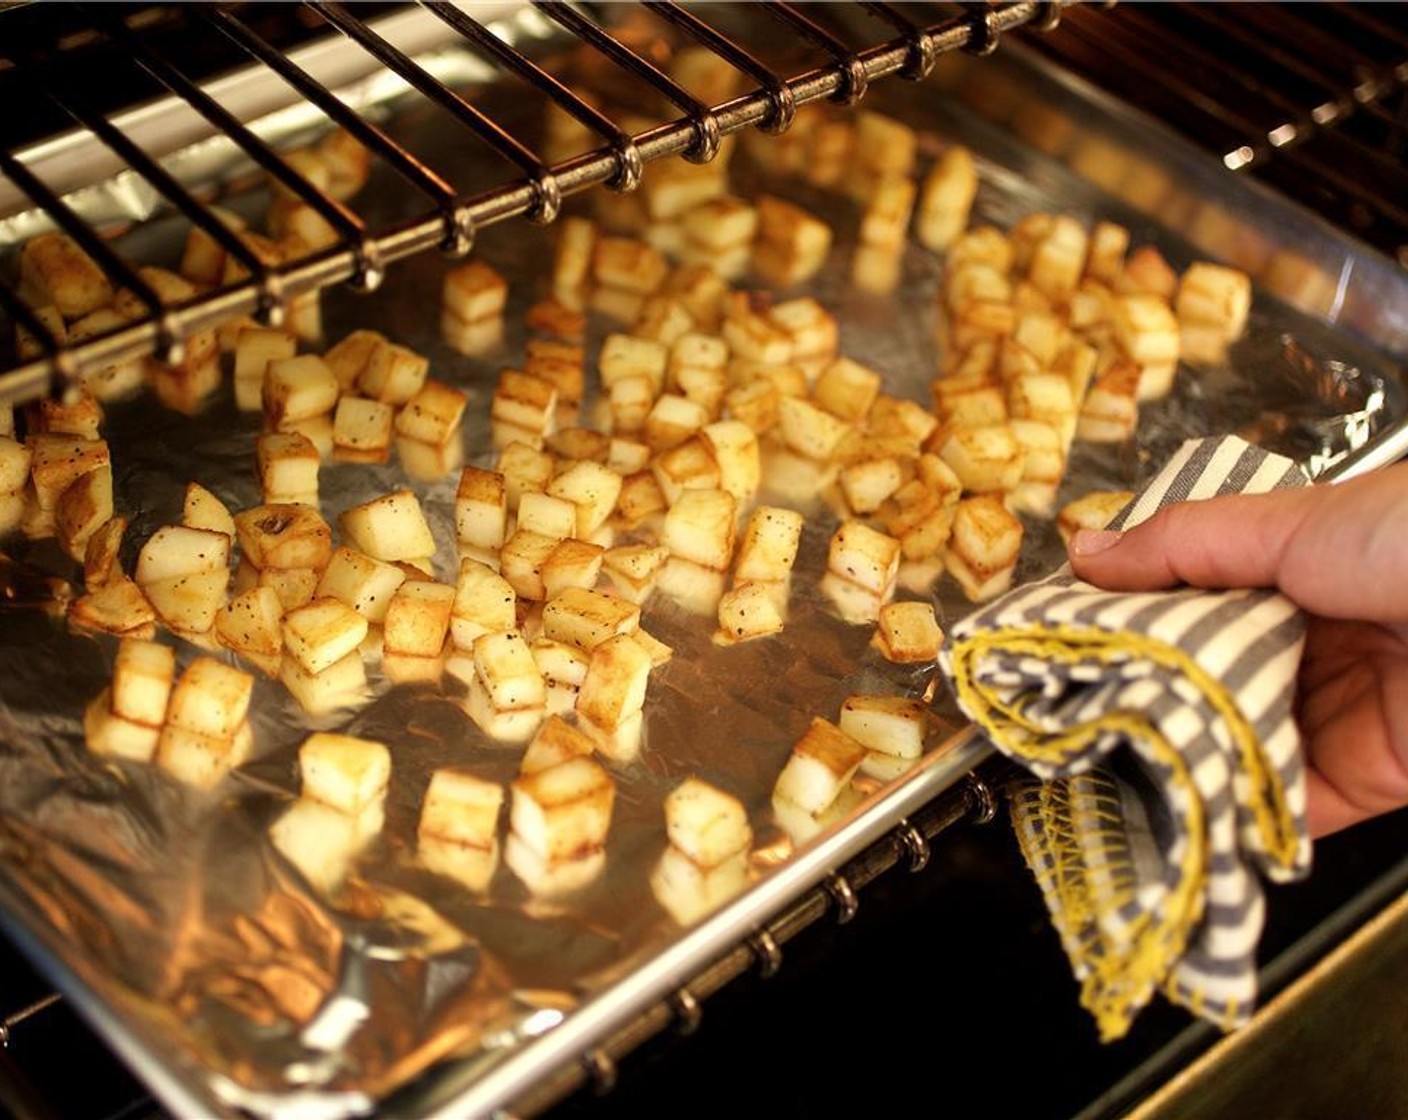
{"x": 1067, "y": 644}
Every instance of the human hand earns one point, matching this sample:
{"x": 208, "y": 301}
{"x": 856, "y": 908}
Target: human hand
{"x": 1340, "y": 552}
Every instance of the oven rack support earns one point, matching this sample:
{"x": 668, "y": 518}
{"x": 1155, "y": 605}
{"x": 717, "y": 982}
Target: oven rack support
{"x": 450, "y": 221}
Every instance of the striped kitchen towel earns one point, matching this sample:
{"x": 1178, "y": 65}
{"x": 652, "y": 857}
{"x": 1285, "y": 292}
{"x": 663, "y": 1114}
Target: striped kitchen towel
{"x": 1166, "y": 765}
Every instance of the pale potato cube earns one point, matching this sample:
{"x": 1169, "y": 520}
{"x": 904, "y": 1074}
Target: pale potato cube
{"x": 1092, "y": 510}
{"x": 628, "y": 265}
{"x": 297, "y": 389}
{"x": 888, "y": 207}
{"x": 735, "y": 451}
{"x": 808, "y": 429}
{"x": 484, "y": 603}
{"x": 627, "y": 457}
{"x": 546, "y": 515}
{"x": 751, "y": 609}
{"x": 563, "y": 811}
{"x": 342, "y": 685}
{"x": 769, "y": 546}
{"x": 688, "y": 891}
{"x": 700, "y": 528}
{"x": 350, "y": 358}
{"x": 361, "y": 430}
{"x": 344, "y": 772}
{"x": 573, "y": 564}
{"x": 252, "y": 624}
{"x": 672, "y": 420}
{"x": 55, "y": 270}
{"x": 572, "y": 443}
{"x": 525, "y": 470}
{"x": 1145, "y": 328}
{"x": 392, "y": 527}
{"x": 521, "y": 562}
{"x": 585, "y": 618}
{"x": 418, "y": 618}
{"x": 56, "y": 461}
{"x": 14, "y": 465}
{"x": 322, "y": 842}
{"x": 572, "y": 260}
{"x": 819, "y": 767}
{"x": 865, "y": 557}
{"x": 946, "y": 198}
{"x": 552, "y": 878}
{"x": 323, "y": 632}
{"x": 284, "y": 536}
{"x": 474, "y": 291}
{"x": 462, "y": 808}
{"x": 986, "y": 459}
{"x": 812, "y": 329}
{"x": 393, "y": 374}
{"x": 143, "y": 675}
{"x": 791, "y": 245}
{"x": 757, "y": 404}
{"x": 614, "y": 688}
{"x": 203, "y": 510}
{"x": 705, "y": 823}
{"x": 362, "y": 583}
{"x": 107, "y": 733}
{"x": 593, "y": 489}
{"x": 210, "y": 697}
{"x": 198, "y": 759}
{"x": 642, "y": 501}
{"x": 176, "y": 550}
{"x": 907, "y": 633}
{"x": 504, "y": 666}
{"x": 1214, "y": 296}
{"x": 188, "y": 603}
{"x": 433, "y": 415}
{"x": 891, "y": 725}
{"x": 984, "y": 545}
{"x": 624, "y": 356}
{"x": 866, "y": 484}
{"x": 288, "y": 467}
{"x": 1110, "y": 411}
{"x": 633, "y": 568}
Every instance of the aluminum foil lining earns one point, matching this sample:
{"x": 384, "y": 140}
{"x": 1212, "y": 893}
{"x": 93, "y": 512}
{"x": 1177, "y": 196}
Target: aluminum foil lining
{"x": 259, "y": 991}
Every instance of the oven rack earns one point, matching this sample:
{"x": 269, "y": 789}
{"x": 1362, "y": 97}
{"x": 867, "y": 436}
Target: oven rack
{"x": 450, "y": 220}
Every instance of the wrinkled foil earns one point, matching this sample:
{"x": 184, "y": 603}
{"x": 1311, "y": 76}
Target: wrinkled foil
{"x": 262, "y": 992}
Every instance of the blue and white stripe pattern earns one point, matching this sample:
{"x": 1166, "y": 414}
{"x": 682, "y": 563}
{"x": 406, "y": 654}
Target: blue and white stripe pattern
{"x": 1160, "y": 730}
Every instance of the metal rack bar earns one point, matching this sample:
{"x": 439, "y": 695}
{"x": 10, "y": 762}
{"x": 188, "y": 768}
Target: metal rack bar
{"x": 363, "y": 253}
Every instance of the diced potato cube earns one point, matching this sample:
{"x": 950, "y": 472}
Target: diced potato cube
{"x": 350, "y": 358}
{"x": 791, "y": 245}
{"x": 521, "y": 562}
{"x": 641, "y": 499}
{"x": 808, "y": 429}
{"x": 198, "y": 759}
{"x": 322, "y": 842}
{"x": 523, "y": 401}
{"x": 573, "y": 564}
{"x": 484, "y": 603}
{"x": 116, "y": 606}
{"x": 80, "y": 414}
{"x": 252, "y": 624}
{"x": 433, "y": 415}
{"x": 361, "y": 430}
{"x": 633, "y": 568}
{"x": 322, "y": 633}
{"x": 505, "y": 667}
{"x": 188, "y": 603}
{"x": 57, "y": 461}
{"x": 342, "y": 685}
{"x": 864, "y": 556}
{"x": 563, "y": 811}
{"x": 284, "y": 536}
{"x": 630, "y": 266}
{"x": 418, "y": 618}
{"x": 769, "y": 545}
{"x": 624, "y": 356}
{"x": 344, "y": 772}
{"x": 593, "y": 489}
{"x": 672, "y": 420}
{"x": 288, "y": 467}
{"x": 546, "y": 515}
{"x": 868, "y": 483}
{"x": 392, "y": 527}
{"x": 1146, "y": 328}
{"x": 614, "y": 688}
{"x": 1092, "y": 510}
{"x": 888, "y": 207}
{"x": 757, "y": 404}
{"x": 907, "y": 633}
{"x": 298, "y": 388}
{"x": 556, "y": 741}
{"x": 892, "y": 725}
{"x": 700, "y": 528}
{"x": 984, "y": 546}
{"x": 82, "y": 509}
{"x": 1147, "y": 272}
{"x": 211, "y": 698}
{"x": 55, "y": 270}
{"x": 689, "y": 891}
{"x": 812, "y": 329}
{"x": 986, "y": 459}
{"x": 572, "y": 443}
{"x": 946, "y": 198}
{"x": 203, "y": 510}
{"x": 819, "y": 767}
{"x": 481, "y": 508}
{"x": 585, "y": 618}
{"x": 752, "y": 335}
{"x": 143, "y": 675}
{"x": 462, "y": 808}
{"x": 751, "y": 609}
{"x": 108, "y": 733}
{"x": 735, "y": 450}
{"x": 1110, "y": 411}
{"x": 474, "y": 291}
{"x": 393, "y": 374}
{"x": 175, "y": 550}
{"x": 706, "y": 823}
{"x": 572, "y": 260}
{"x": 1215, "y": 296}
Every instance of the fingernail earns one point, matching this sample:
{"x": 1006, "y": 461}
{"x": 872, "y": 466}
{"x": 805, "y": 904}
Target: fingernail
{"x": 1087, "y": 542}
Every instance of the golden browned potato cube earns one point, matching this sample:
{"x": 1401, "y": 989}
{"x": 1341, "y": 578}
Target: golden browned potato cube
{"x": 198, "y": 759}
{"x": 525, "y": 470}
{"x": 705, "y": 823}
{"x": 1108, "y": 244}
{"x": 700, "y": 528}
{"x": 474, "y": 291}
{"x": 521, "y": 562}
{"x": 573, "y": 564}
{"x": 757, "y": 404}
{"x": 298, "y": 388}
{"x": 361, "y": 430}
{"x": 287, "y": 463}
{"x": 337, "y": 687}
{"x": 986, "y": 459}
{"x": 563, "y": 811}
{"x": 1147, "y": 272}
{"x": 984, "y": 546}
{"x": 633, "y": 568}
{"x": 203, "y": 510}
{"x": 614, "y": 688}
{"x": 819, "y": 767}
{"x": 77, "y": 414}
{"x": 352, "y": 356}
{"x": 54, "y": 270}
{"x": 391, "y": 527}
{"x": 868, "y": 483}
{"x": 1110, "y": 411}
{"x": 769, "y": 545}
{"x": 891, "y": 725}
{"x": 1146, "y": 329}
{"x": 560, "y": 364}
{"x": 584, "y": 618}
{"x": 546, "y": 515}
{"x": 107, "y": 733}
{"x": 322, "y": 632}
{"x": 284, "y": 536}
{"x": 344, "y": 772}
{"x": 865, "y": 557}
{"x": 418, "y": 618}
{"x": 592, "y": 488}
{"x": 251, "y": 624}
{"x": 524, "y": 402}
{"x": 393, "y": 374}
{"x": 82, "y": 509}
{"x": 211, "y": 698}
{"x": 101, "y": 561}
{"x": 1093, "y": 510}
{"x": 56, "y": 461}
{"x": 1212, "y": 305}
{"x": 809, "y": 430}
{"x": 628, "y": 265}
{"x": 946, "y": 198}
{"x": 484, "y": 603}
{"x": 907, "y": 633}
{"x": 505, "y": 669}
{"x": 433, "y": 415}
{"x": 751, "y": 609}
{"x": 791, "y": 245}
{"x": 115, "y": 607}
